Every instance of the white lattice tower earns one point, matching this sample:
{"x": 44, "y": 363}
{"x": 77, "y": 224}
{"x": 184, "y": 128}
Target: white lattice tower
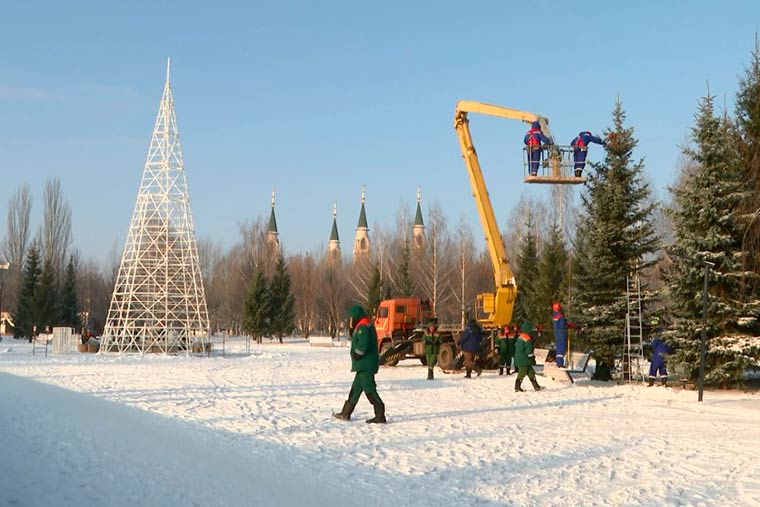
{"x": 158, "y": 303}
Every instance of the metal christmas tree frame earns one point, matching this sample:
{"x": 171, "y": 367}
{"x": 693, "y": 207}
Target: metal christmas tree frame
{"x": 158, "y": 303}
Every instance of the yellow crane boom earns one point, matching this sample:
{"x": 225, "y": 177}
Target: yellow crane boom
{"x": 495, "y": 309}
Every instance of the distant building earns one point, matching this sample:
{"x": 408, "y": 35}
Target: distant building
{"x": 418, "y": 231}
{"x": 361, "y": 238}
{"x": 273, "y": 237}
{"x": 333, "y": 246}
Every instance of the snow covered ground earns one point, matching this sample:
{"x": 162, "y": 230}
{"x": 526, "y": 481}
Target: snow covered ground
{"x": 87, "y": 429}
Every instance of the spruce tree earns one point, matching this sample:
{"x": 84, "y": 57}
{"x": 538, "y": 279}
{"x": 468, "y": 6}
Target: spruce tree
{"x": 375, "y": 292}
{"x": 552, "y": 281}
{"x": 615, "y": 237}
{"x": 46, "y": 299}
{"x": 748, "y": 127}
{"x": 527, "y": 277}
{"x": 256, "y": 310}
{"x": 69, "y": 301}
{"x": 26, "y": 314}
{"x": 282, "y": 314}
{"x": 708, "y": 227}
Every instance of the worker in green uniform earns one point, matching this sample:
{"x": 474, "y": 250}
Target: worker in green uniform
{"x": 364, "y": 361}
{"x": 502, "y": 347}
{"x": 525, "y": 359}
{"x": 432, "y": 343}
{"x": 514, "y": 332}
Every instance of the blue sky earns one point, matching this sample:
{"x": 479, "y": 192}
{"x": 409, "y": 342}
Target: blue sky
{"x": 315, "y": 99}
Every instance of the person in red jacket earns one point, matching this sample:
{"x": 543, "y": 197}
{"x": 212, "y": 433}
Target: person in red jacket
{"x": 580, "y": 149}
{"x": 535, "y": 140}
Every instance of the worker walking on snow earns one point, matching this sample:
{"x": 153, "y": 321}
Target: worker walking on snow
{"x": 524, "y": 360}
{"x": 470, "y": 341}
{"x": 364, "y": 361}
{"x": 580, "y": 149}
{"x": 660, "y": 350}
{"x": 534, "y": 140}
{"x": 561, "y": 326}
{"x": 432, "y": 341}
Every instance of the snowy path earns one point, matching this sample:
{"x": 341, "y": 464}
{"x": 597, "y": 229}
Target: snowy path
{"x": 449, "y": 440}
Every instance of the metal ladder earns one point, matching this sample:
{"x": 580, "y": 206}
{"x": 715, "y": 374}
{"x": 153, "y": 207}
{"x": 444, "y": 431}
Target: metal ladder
{"x": 633, "y": 360}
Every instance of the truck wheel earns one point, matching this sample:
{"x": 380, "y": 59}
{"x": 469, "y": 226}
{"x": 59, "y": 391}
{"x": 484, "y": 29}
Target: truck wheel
{"x": 446, "y": 356}
{"x": 384, "y": 347}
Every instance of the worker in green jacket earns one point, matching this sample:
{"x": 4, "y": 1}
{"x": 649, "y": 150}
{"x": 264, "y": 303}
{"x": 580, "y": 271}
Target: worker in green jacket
{"x": 432, "y": 343}
{"x": 502, "y": 347}
{"x": 364, "y": 361}
{"x": 525, "y": 359}
{"x": 514, "y": 332}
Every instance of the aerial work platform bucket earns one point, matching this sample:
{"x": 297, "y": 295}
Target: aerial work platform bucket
{"x": 556, "y": 166}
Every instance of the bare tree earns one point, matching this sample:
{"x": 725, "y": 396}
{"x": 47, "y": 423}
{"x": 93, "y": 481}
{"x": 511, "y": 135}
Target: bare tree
{"x": 333, "y": 295}
{"x": 394, "y": 249}
{"x": 435, "y": 266}
{"x": 304, "y": 273}
{"x": 16, "y": 242}
{"x": 56, "y": 225}
{"x": 210, "y": 255}
{"x": 461, "y": 288}
{"x": 516, "y": 227}
{"x": 94, "y": 287}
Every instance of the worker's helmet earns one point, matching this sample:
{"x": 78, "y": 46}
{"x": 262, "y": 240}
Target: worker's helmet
{"x": 556, "y": 306}
{"x": 432, "y": 321}
{"x": 535, "y": 125}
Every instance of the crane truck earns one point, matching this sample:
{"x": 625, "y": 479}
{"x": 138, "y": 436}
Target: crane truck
{"x": 493, "y": 310}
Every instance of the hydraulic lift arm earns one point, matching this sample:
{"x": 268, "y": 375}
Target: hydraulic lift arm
{"x": 496, "y": 307}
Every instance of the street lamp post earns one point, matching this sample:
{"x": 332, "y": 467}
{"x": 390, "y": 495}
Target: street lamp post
{"x": 703, "y": 345}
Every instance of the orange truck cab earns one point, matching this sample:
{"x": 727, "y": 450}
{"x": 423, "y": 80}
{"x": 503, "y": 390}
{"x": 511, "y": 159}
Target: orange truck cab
{"x": 396, "y": 318}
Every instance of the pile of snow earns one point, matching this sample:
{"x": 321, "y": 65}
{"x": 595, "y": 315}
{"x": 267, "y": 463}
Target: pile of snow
{"x": 256, "y": 430}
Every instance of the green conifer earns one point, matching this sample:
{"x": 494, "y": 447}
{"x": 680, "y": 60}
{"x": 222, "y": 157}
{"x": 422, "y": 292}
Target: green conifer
{"x": 69, "y": 301}
{"x": 527, "y": 276}
{"x": 256, "y": 311}
{"x": 26, "y": 310}
{"x": 615, "y": 237}
{"x": 708, "y": 227}
{"x": 281, "y": 302}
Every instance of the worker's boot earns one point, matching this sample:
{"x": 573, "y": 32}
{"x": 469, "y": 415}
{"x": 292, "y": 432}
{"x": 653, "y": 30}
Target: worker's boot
{"x": 508, "y": 372}
{"x": 518, "y": 388}
{"x": 468, "y": 373}
{"x": 664, "y": 381}
{"x": 501, "y": 370}
{"x": 478, "y": 371}
{"x": 651, "y": 382}
{"x": 379, "y": 407}
{"x": 536, "y": 387}
{"x": 345, "y": 413}
{"x": 430, "y": 374}
{"x": 578, "y": 173}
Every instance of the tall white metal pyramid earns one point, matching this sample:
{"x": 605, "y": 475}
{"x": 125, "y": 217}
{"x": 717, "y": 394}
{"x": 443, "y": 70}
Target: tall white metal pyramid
{"x": 158, "y": 302}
